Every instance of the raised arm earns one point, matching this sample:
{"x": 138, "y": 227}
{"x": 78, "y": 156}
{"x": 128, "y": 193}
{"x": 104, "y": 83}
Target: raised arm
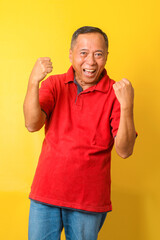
{"x": 126, "y": 134}
{"x": 34, "y": 116}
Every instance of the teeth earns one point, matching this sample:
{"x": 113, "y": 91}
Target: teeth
{"x": 89, "y": 70}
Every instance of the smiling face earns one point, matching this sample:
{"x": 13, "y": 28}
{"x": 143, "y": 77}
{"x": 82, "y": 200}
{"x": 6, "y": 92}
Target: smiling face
{"x": 88, "y": 56}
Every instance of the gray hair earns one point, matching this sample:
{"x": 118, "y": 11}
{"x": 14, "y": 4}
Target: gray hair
{"x": 88, "y": 29}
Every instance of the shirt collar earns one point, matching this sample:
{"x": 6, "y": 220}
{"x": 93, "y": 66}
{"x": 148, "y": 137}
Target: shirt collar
{"x": 69, "y": 75}
{"x": 101, "y": 86}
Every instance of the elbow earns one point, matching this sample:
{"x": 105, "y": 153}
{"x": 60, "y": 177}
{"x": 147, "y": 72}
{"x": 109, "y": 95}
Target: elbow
{"x": 124, "y": 151}
{"x": 31, "y": 128}
{"x": 125, "y": 155}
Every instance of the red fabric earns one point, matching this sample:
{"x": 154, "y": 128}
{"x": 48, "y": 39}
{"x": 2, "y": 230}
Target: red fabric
{"x": 74, "y": 165}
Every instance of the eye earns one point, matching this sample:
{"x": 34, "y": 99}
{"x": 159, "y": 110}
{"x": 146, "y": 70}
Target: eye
{"x": 83, "y": 53}
{"x": 98, "y": 54}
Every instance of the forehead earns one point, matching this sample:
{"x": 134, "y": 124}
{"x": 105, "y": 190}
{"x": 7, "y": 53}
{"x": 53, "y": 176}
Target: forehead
{"x": 90, "y": 40}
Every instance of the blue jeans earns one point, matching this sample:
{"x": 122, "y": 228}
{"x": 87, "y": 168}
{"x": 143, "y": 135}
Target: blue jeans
{"x": 46, "y": 223}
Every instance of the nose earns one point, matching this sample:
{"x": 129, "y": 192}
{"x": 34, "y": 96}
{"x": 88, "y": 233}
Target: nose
{"x": 90, "y": 59}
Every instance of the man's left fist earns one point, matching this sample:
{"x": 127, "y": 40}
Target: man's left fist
{"x": 124, "y": 93}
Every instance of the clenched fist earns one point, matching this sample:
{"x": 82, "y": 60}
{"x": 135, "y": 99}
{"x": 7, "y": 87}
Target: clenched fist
{"x": 124, "y": 93}
{"x": 42, "y": 67}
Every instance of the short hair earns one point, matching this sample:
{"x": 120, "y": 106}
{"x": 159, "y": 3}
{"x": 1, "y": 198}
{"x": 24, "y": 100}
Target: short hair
{"x": 88, "y": 29}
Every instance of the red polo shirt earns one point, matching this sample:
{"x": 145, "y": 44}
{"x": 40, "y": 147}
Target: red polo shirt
{"x": 74, "y": 165}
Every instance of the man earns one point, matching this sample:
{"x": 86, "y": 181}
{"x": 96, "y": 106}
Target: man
{"x": 85, "y": 113}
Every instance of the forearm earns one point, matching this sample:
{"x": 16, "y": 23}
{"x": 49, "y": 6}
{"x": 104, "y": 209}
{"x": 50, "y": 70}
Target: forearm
{"x": 34, "y": 117}
{"x": 126, "y": 135}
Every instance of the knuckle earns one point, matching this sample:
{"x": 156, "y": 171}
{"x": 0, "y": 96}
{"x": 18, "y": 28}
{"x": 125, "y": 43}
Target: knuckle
{"x": 43, "y": 69}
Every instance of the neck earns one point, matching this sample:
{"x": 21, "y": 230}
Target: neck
{"x": 85, "y": 85}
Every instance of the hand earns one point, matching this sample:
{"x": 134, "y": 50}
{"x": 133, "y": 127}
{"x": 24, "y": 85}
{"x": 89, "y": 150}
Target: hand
{"x": 124, "y": 93}
{"x": 42, "y": 67}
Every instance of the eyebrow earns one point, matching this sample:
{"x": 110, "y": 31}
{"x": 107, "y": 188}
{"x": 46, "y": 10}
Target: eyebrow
{"x": 83, "y": 49}
{"x": 87, "y": 50}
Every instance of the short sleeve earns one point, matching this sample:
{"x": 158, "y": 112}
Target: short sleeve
{"x": 115, "y": 117}
{"x": 46, "y": 96}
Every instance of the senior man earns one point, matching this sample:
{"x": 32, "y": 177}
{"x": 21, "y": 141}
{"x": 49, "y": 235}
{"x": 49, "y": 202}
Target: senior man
{"x": 84, "y": 113}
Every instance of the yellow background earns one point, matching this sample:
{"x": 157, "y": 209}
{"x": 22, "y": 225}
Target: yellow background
{"x": 32, "y": 29}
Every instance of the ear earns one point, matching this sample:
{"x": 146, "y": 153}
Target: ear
{"x": 107, "y": 56}
{"x": 70, "y": 55}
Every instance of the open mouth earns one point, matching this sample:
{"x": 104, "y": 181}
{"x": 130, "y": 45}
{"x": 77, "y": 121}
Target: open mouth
{"x": 89, "y": 71}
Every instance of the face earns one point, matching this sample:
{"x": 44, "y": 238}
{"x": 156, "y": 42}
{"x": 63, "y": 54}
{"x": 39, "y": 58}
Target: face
{"x": 88, "y": 57}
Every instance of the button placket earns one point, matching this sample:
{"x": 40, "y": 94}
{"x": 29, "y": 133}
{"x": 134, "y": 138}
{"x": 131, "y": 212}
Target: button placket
{"x": 78, "y": 101}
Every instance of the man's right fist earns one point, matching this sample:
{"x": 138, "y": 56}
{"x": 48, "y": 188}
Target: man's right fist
{"x": 42, "y": 67}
